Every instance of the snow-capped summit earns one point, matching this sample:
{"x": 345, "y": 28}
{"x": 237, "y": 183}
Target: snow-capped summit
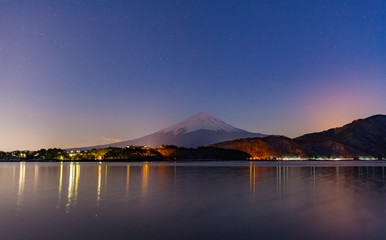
{"x": 199, "y": 129}
{"x": 200, "y": 121}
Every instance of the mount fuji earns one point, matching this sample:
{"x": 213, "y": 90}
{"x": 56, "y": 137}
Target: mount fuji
{"x": 199, "y": 129}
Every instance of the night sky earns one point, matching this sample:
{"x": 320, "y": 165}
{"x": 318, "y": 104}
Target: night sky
{"x": 81, "y": 73}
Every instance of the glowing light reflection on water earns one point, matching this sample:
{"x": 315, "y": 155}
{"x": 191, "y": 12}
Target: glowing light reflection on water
{"x": 224, "y": 200}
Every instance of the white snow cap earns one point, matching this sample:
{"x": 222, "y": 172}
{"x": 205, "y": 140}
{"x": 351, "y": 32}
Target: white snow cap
{"x": 198, "y": 121}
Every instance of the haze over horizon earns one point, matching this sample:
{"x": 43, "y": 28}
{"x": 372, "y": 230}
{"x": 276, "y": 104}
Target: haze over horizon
{"x": 92, "y": 72}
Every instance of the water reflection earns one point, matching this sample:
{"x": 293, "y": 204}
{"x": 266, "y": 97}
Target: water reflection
{"x": 313, "y": 179}
{"x": 127, "y": 181}
{"x": 99, "y": 185}
{"x": 145, "y": 179}
{"x": 36, "y": 177}
{"x": 20, "y": 191}
{"x": 105, "y": 175}
{"x": 70, "y": 174}
{"x": 13, "y": 171}
{"x": 73, "y": 184}
{"x": 60, "y": 185}
{"x": 343, "y": 202}
{"x": 278, "y": 181}
{"x": 252, "y": 179}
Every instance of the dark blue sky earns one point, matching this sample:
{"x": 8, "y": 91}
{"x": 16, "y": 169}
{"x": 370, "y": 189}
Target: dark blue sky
{"x": 75, "y": 73}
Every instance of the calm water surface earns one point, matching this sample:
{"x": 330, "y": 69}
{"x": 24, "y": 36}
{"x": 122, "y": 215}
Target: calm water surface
{"x": 215, "y": 200}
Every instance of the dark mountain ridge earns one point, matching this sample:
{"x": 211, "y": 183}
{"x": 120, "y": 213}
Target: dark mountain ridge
{"x": 360, "y": 139}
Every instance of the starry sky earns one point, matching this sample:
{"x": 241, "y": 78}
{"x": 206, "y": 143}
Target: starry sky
{"x": 80, "y": 73}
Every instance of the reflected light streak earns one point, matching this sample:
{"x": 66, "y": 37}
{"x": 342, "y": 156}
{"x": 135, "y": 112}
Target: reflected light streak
{"x": 20, "y": 191}
{"x": 250, "y": 177}
{"x": 127, "y": 181}
{"x": 99, "y": 184}
{"x": 313, "y": 176}
{"x": 70, "y": 187}
{"x": 13, "y": 171}
{"x": 76, "y": 182}
{"x": 284, "y": 179}
{"x": 105, "y": 176}
{"x": 252, "y": 180}
{"x": 36, "y": 177}
{"x": 60, "y": 185}
{"x": 73, "y": 181}
{"x": 145, "y": 178}
{"x": 278, "y": 180}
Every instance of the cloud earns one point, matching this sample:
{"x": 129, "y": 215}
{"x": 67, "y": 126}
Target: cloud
{"x": 111, "y": 139}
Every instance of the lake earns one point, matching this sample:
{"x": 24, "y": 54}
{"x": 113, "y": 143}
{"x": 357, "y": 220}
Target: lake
{"x": 193, "y": 200}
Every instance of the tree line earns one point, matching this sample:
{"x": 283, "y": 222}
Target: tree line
{"x": 130, "y": 153}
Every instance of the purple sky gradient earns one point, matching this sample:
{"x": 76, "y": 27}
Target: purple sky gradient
{"x": 78, "y": 73}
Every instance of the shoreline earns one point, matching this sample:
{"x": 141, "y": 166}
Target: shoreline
{"x": 221, "y": 163}
{"x": 193, "y": 160}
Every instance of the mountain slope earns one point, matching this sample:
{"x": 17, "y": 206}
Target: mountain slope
{"x": 266, "y": 147}
{"x": 199, "y": 129}
{"x": 363, "y": 137}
